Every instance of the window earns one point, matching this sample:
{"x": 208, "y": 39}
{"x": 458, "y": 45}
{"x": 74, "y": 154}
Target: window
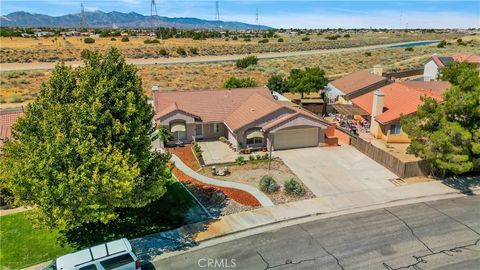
{"x": 255, "y": 140}
{"x": 199, "y": 130}
{"x": 395, "y": 129}
{"x": 215, "y": 128}
{"x": 88, "y": 267}
{"x": 116, "y": 262}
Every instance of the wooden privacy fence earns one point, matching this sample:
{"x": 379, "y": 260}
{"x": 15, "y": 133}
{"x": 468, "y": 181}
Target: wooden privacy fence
{"x": 395, "y": 165}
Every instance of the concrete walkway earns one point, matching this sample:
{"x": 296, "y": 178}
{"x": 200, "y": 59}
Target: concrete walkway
{"x": 260, "y": 196}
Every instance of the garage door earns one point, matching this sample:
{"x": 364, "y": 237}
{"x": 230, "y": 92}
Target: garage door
{"x": 295, "y": 138}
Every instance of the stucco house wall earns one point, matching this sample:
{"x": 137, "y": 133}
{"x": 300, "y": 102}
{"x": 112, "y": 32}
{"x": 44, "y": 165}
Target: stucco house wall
{"x": 208, "y": 131}
{"x": 430, "y": 71}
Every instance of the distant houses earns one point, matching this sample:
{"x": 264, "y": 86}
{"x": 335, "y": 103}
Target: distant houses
{"x": 436, "y": 62}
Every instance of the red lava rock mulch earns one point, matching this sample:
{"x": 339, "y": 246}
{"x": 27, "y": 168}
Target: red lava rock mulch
{"x": 186, "y": 155}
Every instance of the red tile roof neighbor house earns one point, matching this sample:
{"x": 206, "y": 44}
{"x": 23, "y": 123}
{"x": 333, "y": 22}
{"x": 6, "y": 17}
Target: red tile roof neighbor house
{"x": 466, "y": 57}
{"x": 358, "y": 83}
{"x": 7, "y": 118}
{"x": 402, "y": 98}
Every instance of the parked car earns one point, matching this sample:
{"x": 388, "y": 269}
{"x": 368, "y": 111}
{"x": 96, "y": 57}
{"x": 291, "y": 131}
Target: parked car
{"x": 117, "y": 255}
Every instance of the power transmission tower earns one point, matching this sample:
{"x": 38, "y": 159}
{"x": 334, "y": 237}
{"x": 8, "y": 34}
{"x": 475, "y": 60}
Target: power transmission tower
{"x": 83, "y": 20}
{"x": 256, "y": 17}
{"x": 153, "y": 7}
{"x": 217, "y": 9}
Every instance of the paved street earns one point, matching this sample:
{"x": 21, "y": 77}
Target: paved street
{"x": 433, "y": 235}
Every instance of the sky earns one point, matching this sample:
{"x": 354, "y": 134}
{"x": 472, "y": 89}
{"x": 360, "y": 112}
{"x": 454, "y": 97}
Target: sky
{"x": 283, "y": 14}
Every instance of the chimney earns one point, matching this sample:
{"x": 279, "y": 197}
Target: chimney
{"x": 377, "y": 70}
{"x": 377, "y": 109}
{"x": 155, "y": 90}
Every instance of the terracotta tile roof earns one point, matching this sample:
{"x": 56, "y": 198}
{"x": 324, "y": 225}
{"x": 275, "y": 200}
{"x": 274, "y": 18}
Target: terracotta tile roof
{"x": 254, "y": 108}
{"x": 235, "y": 107}
{"x": 7, "y": 118}
{"x": 208, "y": 105}
{"x": 435, "y": 87}
{"x": 174, "y": 107}
{"x": 290, "y": 116}
{"x": 357, "y": 81}
{"x": 466, "y": 57}
{"x": 400, "y": 98}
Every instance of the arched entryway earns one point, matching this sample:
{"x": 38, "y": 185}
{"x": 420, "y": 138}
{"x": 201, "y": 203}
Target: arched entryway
{"x": 178, "y": 129}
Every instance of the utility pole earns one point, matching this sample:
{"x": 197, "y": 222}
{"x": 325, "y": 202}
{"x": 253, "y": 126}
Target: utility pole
{"x": 256, "y": 17}
{"x": 153, "y": 8}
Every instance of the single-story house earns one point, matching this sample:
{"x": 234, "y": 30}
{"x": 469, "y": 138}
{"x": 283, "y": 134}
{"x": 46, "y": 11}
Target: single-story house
{"x": 7, "y": 118}
{"x": 431, "y": 68}
{"x": 390, "y": 102}
{"x": 345, "y": 89}
{"x": 247, "y": 117}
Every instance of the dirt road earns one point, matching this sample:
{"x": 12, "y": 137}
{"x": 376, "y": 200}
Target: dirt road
{"x": 202, "y": 59}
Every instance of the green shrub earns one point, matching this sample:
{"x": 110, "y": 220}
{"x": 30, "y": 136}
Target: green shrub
{"x": 222, "y": 139}
{"x": 259, "y": 157}
{"x": 266, "y": 156}
{"x": 89, "y": 40}
{"x": 251, "y": 157}
{"x": 409, "y": 49}
{"x": 346, "y": 36}
{"x": 234, "y": 82}
{"x": 247, "y": 61}
{"x": 442, "y": 44}
{"x": 181, "y": 51}
{"x": 16, "y": 99}
{"x": 263, "y": 40}
{"x": 151, "y": 41}
{"x": 197, "y": 150}
{"x": 113, "y": 39}
{"x": 268, "y": 184}
{"x": 193, "y": 50}
{"x": 240, "y": 160}
{"x": 280, "y": 40}
{"x": 305, "y": 39}
{"x": 293, "y": 187}
{"x": 163, "y": 52}
{"x": 125, "y": 39}
{"x": 235, "y": 38}
{"x": 368, "y": 54}
{"x": 247, "y": 39}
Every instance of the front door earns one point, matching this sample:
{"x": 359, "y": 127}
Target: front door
{"x": 198, "y": 131}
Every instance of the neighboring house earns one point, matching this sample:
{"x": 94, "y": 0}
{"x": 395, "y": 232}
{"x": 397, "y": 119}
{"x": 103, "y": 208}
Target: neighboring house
{"x": 248, "y": 118}
{"x": 343, "y": 90}
{"x": 7, "y": 118}
{"x": 436, "y": 62}
{"x": 389, "y": 103}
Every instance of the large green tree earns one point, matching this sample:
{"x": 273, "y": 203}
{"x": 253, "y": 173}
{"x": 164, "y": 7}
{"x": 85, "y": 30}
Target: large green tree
{"x": 306, "y": 81}
{"x": 277, "y": 83}
{"x": 447, "y": 133}
{"x": 83, "y": 148}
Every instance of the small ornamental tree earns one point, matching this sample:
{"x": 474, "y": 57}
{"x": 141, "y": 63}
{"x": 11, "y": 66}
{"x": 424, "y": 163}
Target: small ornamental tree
{"x": 277, "y": 83}
{"x": 306, "y": 81}
{"x": 82, "y": 150}
{"x": 234, "y": 82}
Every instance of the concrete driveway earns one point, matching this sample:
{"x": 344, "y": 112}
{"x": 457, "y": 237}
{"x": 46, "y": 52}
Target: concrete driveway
{"x": 337, "y": 170}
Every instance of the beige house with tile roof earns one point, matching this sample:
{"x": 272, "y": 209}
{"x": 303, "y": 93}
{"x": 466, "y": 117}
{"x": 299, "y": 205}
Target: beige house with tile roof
{"x": 250, "y": 118}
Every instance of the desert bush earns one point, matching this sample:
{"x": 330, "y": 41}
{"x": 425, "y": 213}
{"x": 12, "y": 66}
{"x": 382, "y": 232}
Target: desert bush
{"x": 346, "y": 36}
{"x": 280, "y": 40}
{"x": 89, "y": 40}
{"x": 305, "y": 39}
{"x": 16, "y": 99}
{"x": 293, "y": 187}
{"x": 268, "y": 184}
{"x": 368, "y": 54}
{"x": 263, "y": 40}
{"x": 151, "y": 41}
{"x": 234, "y": 82}
{"x": 247, "y": 61}
{"x": 247, "y": 39}
{"x": 194, "y": 51}
{"x": 181, "y": 51}
{"x": 125, "y": 39}
{"x": 409, "y": 49}
{"x": 162, "y": 52}
{"x": 442, "y": 44}
{"x": 113, "y": 39}
{"x": 240, "y": 160}
{"x": 235, "y": 38}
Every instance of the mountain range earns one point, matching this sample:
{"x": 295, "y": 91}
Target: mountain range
{"x": 100, "y": 19}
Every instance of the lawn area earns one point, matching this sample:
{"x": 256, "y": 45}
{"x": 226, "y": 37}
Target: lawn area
{"x": 22, "y": 245}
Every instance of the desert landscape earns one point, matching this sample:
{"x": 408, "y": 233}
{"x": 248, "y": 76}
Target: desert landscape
{"x": 20, "y": 87}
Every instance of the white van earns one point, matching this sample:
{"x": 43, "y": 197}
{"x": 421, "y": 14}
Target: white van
{"x": 117, "y": 254}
